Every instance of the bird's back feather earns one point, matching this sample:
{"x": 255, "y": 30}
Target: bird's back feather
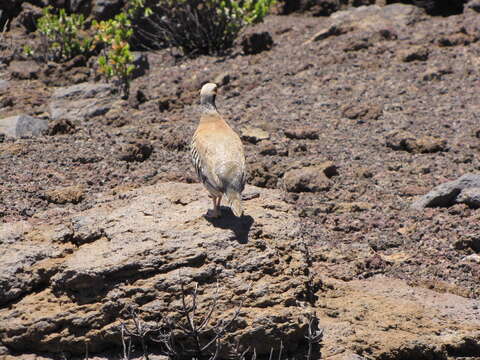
{"x": 217, "y": 154}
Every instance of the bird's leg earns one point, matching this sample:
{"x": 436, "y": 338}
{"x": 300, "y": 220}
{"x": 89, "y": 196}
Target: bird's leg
{"x": 215, "y": 213}
{"x": 216, "y": 206}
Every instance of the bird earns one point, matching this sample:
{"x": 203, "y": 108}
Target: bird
{"x": 218, "y": 156}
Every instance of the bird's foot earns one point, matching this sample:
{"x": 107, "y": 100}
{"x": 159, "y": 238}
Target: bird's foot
{"x": 213, "y": 214}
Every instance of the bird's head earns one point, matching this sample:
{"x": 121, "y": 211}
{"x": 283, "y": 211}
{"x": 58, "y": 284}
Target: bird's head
{"x": 208, "y": 94}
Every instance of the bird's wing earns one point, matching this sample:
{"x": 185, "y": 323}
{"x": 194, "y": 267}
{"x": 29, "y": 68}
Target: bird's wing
{"x": 202, "y": 161}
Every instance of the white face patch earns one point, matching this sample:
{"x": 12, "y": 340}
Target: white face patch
{"x": 208, "y": 89}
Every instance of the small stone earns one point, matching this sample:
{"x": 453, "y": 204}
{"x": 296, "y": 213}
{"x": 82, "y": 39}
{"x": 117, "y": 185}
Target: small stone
{"x": 267, "y": 148}
{"x": 328, "y": 168}
{"x": 357, "y": 44}
{"x": 362, "y": 172}
{"x": 174, "y": 140}
{"x": 333, "y": 30}
{"x": 302, "y": 133}
{"x": 4, "y": 350}
{"x": 375, "y": 262}
{"x": 362, "y": 111}
{"x": 384, "y": 242}
{"x": 254, "y": 135}
{"x": 61, "y": 127}
{"x": 307, "y": 179}
{"x": 455, "y": 40}
{"x": 430, "y": 144}
{"x": 406, "y": 141}
{"x": 261, "y": 175}
{"x": 436, "y": 73}
{"x": 135, "y": 151}
{"x": 256, "y": 43}
{"x": 415, "y": 53}
{"x": 70, "y": 194}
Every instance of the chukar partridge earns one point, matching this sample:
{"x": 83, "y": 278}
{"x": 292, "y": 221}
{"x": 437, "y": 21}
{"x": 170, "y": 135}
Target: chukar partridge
{"x": 217, "y": 154}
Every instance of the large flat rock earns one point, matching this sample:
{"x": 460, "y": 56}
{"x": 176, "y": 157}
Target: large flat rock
{"x": 139, "y": 248}
{"x": 68, "y": 283}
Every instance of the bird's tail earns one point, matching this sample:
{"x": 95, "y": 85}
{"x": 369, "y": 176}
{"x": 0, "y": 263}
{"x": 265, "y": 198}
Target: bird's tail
{"x": 235, "y": 202}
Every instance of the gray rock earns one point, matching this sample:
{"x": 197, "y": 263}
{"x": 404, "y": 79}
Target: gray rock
{"x": 23, "y": 125}
{"x": 83, "y": 91}
{"x": 470, "y": 196}
{"x": 81, "y": 102}
{"x": 374, "y": 17}
{"x": 447, "y": 194}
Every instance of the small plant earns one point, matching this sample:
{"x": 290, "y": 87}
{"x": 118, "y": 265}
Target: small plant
{"x": 203, "y": 26}
{"x": 28, "y": 51}
{"x": 113, "y": 36}
{"x": 61, "y": 35}
{"x": 116, "y": 59}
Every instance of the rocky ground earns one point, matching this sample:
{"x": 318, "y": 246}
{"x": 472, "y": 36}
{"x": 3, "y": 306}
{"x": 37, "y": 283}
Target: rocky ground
{"x": 347, "y": 122}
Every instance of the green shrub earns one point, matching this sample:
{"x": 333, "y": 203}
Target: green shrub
{"x": 113, "y": 37}
{"x": 62, "y": 38}
{"x": 203, "y": 26}
{"x": 116, "y": 60}
{"x": 61, "y": 35}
